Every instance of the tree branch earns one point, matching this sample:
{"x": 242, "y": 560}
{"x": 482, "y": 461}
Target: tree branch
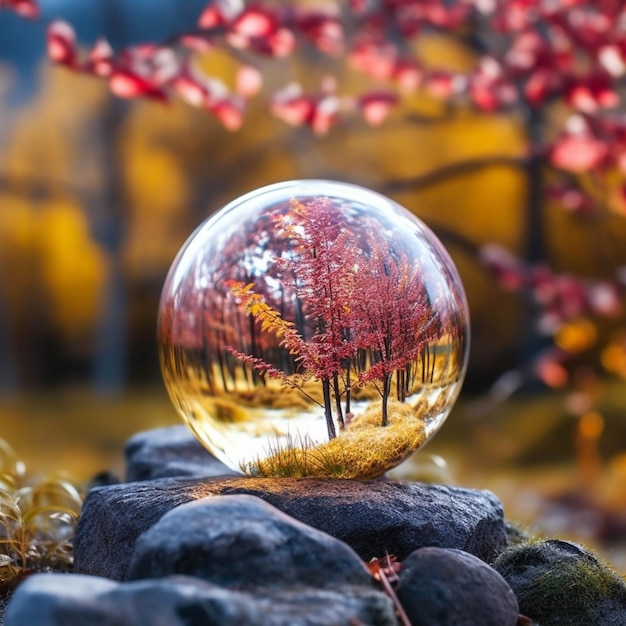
{"x": 451, "y": 170}
{"x": 27, "y": 185}
{"x": 452, "y": 237}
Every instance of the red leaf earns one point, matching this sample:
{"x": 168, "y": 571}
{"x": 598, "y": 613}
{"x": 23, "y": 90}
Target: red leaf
{"x": 440, "y": 85}
{"x": 407, "y": 75}
{"x": 229, "y": 113}
{"x": 190, "y": 89}
{"x": 376, "y": 106}
{"x": 325, "y": 115}
{"x": 101, "y": 58}
{"x": 323, "y": 29}
{"x": 126, "y": 84}
{"x": 591, "y": 93}
{"x": 525, "y": 52}
{"x": 604, "y": 299}
{"x": 539, "y": 86}
{"x": 580, "y": 97}
{"x": 248, "y": 81}
{"x": 61, "y": 43}
{"x": 578, "y": 153}
{"x": 612, "y": 60}
{"x": 620, "y": 161}
{"x": 484, "y": 98}
{"x": 291, "y": 106}
{"x": 254, "y": 22}
{"x": 164, "y": 66}
{"x": 145, "y": 51}
{"x": 608, "y": 99}
{"x": 261, "y": 36}
{"x": 359, "y": 6}
{"x": 374, "y": 58}
{"x": 25, "y": 8}
{"x": 294, "y": 112}
{"x": 281, "y": 43}
{"x": 571, "y": 199}
{"x": 550, "y": 371}
{"x": 508, "y": 270}
{"x": 388, "y": 565}
{"x": 296, "y": 109}
{"x": 489, "y": 88}
{"x": 211, "y": 17}
{"x": 197, "y": 43}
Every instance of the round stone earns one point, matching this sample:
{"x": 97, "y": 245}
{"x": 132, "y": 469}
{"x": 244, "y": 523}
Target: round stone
{"x": 313, "y": 328}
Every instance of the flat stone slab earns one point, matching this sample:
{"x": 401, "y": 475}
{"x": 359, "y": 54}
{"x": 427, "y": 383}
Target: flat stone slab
{"x": 374, "y": 517}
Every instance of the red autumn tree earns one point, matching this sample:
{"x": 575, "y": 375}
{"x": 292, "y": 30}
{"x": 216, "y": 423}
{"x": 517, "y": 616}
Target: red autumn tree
{"x": 392, "y": 316}
{"x": 321, "y": 272}
{"x": 367, "y": 299}
{"x": 318, "y": 272}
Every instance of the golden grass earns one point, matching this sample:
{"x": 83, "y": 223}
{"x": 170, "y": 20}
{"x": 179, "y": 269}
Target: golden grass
{"x": 224, "y": 410}
{"x": 364, "y": 449}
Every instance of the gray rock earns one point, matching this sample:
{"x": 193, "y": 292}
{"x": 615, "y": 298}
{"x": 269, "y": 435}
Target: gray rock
{"x": 169, "y": 452}
{"x": 445, "y": 587}
{"x": 342, "y": 606}
{"x": 76, "y": 600}
{"x": 242, "y": 542}
{"x": 559, "y": 582}
{"x": 372, "y": 517}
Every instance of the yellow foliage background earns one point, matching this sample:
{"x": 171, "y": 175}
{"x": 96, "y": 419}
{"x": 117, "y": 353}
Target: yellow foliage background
{"x": 172, "y": 166}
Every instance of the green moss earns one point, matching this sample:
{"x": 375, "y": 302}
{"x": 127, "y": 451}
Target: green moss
{"x": 557, "y": 582}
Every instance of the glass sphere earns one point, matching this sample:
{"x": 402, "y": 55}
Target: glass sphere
{"x": 313, "y": 328}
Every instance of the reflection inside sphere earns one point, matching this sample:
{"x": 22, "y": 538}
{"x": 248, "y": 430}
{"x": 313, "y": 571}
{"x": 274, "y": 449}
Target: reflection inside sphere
{"x": 313, "y": 328}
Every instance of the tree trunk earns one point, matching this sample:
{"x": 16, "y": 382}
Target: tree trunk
{"x": 8, "y": 366}
{"x": 110, "y": 362}
{"x": 386, "y": 392}
{"x": 534, "y": 244}
{"x": 110, "y": 359}
{"x": 348, "y": 389}
{"x": 328, "y": 413}
{"x": 338, "y": 401}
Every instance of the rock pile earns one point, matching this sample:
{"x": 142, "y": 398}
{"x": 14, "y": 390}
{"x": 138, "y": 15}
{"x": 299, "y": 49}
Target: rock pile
{"x": 186, "y": 543}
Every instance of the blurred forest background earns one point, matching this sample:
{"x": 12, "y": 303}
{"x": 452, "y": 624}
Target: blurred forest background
{"x": 97, "y": 194}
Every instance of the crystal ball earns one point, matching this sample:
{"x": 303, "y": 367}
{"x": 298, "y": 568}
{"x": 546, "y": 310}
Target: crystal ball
{"x": 313, "y": 328}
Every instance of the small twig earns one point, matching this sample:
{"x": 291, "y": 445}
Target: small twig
{"x": 385, "y": 571}
{"x": 402, "y": 616}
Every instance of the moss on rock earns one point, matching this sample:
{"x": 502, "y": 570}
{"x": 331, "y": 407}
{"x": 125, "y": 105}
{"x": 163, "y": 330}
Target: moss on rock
{"x": 559, "y": 582}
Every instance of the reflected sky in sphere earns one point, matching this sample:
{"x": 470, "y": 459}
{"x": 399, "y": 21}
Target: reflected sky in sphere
{"x": 313, "y": 328}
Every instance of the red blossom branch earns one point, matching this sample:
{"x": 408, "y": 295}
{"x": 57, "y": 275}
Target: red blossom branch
{"x": 560, "y": 297}
{"x": 559, "y": 300}
{"x": 536, "y": 52}
{"x": 531, "y": 58}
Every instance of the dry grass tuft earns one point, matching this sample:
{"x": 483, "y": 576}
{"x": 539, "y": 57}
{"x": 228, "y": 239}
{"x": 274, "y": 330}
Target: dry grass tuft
{"x": 37, "y": 522}
{"x": 364, "y": 449}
